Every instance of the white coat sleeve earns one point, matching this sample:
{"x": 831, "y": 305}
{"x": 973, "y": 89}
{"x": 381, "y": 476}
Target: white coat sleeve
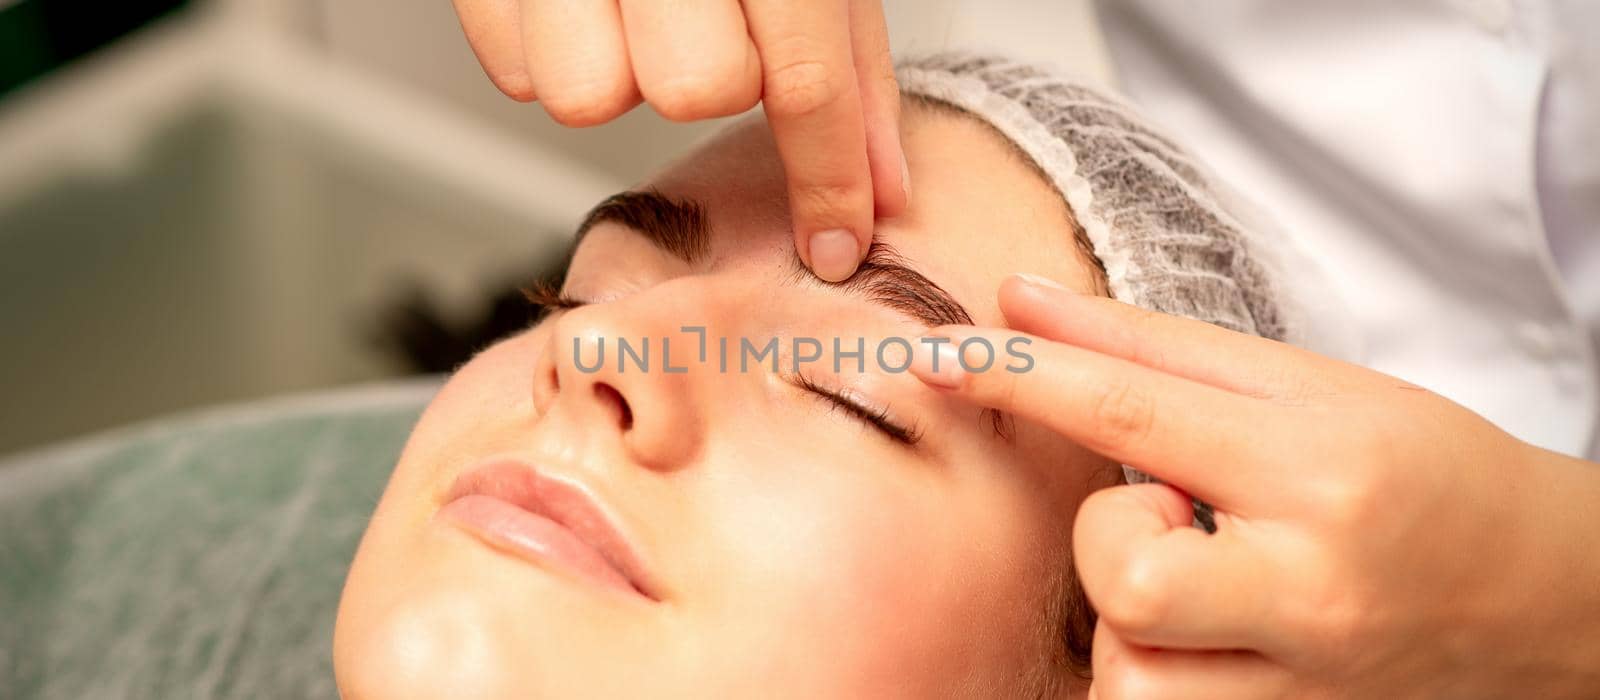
{"x": 1061, "y": 33}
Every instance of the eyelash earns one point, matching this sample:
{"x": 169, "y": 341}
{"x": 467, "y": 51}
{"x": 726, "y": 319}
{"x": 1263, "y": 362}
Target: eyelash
{"x": 875, "y": 417}
{"x": 547, "y": 298}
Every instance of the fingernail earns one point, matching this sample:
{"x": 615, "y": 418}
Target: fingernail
{"x": 834, "y": 254}
{"x": 1038, "y": 281}
{"x": 937, "y": 361}
{"x": 905, "y": 176}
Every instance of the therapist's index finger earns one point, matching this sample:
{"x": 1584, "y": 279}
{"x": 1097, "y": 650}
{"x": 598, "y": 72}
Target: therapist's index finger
{"x": 494, "y": 30}
{"x": 1218, "y": 445}
{"x": 813, "y": 104}
{"x": 1238, "y": 362}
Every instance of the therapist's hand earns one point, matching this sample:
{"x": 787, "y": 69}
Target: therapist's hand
{"x": 820, "y": 67}
{"x": 1374, "y": 539}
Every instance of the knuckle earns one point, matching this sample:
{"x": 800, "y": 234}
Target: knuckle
{"x": 1345, "y": 502}
{"x": 1353, "y": 495}
{"x": 520, "y": 93}
{"x": 585, "y": 103}
{"x": 802, "y": 88}
{"x": 1140, "y": 599}
{"x": 1122, "y": 413}
{"x": 516, "y": 86}
{"x": 700, "y": 95}
{"x": 831, "y": 201}
{"x": 1329, "y": 617}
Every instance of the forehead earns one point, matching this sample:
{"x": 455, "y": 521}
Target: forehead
{"x": 977, "y": 212}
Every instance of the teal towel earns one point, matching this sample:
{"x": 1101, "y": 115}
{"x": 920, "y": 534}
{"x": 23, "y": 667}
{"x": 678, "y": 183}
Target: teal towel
{"x": 196, "y": 557}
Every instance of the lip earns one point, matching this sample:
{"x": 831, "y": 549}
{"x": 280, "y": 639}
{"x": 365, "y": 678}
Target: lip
{"x": 512, "y": 506}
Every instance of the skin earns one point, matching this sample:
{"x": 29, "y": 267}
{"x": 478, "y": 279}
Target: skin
{"x": 798, "y": 552}
{"x": 1359, "y": 611}
{"x": 820, "y": 68}
{"x": 1373, "y": 538}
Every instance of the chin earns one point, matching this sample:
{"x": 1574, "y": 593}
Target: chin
{"x": 437, "y": 644}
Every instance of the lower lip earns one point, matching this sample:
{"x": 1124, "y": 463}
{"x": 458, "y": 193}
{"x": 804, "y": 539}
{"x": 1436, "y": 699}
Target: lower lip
{"x": 534, "y": 537}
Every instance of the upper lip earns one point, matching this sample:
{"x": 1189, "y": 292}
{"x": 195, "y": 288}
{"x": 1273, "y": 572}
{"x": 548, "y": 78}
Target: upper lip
{"x": 568, "y": 503}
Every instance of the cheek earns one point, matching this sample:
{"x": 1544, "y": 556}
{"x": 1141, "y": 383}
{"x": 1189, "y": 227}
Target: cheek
{"x": 875, "y": 557}
{"x": 826, "y": 528}
{"x": 498, "y": 380}
{"x": 482, "y": 402}
{"x": 389, "y": 642}
{"x": 825, "y": 562}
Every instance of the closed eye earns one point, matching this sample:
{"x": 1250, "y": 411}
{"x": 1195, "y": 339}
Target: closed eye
{"x": 877, "y": 417}
{"x": 548, "y": 298}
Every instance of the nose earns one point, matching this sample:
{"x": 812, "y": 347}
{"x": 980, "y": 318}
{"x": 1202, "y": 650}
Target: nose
{"x": 604, "y": 369}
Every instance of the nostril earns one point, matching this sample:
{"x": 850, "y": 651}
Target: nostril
{"x": 609, "y": 395}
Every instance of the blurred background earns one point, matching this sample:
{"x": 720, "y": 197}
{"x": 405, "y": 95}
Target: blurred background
{"x": 205, "y": 202}
{"x": 209, "y": 201}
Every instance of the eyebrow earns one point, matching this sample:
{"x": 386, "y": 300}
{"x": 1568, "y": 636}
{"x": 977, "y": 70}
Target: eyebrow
{"x": 678, "y": 226}
{"x": 886, "y": 279}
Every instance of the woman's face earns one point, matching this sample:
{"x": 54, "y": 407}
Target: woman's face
{"x": 781, "y": 545}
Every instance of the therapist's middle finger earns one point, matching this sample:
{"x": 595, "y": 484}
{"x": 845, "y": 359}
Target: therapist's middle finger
{"x": 578, "y": 60}
{"x": 692, "y": 59}
{"x": 813, "y": 103}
